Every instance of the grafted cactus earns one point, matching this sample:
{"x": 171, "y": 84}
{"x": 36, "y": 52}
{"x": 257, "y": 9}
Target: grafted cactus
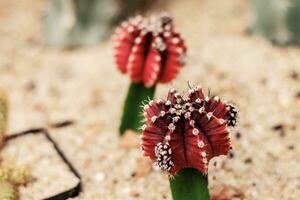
{"x": 3, "y": 116}
{"x": 182, "y": 134}
{"x": 278, "y": 21}
{"x": 150, "y": 51}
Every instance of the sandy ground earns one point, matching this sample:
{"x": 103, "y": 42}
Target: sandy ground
{"x": 46, "y": 85}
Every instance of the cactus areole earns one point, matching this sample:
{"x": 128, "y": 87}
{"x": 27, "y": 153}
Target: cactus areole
{"x": 184, "y": 132}
{"x": 149, "y": 50}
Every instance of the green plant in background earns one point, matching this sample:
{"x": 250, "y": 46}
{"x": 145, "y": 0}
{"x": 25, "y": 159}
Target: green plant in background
{"x": 293, "y": 21}
{"x": 128, "y": 8}
{"x": 11, "y": 177}
{"x": 7, "y": 191}
{"x": 182, "y": 134}
{"x": 14, "y": 174}
{"x": 270, "y": 20}
{"x": 3, "y": 116}
{"x": 149, "y": 51}
{"x": 78, "y": 22}
{"x": 81, "y": 22}
{"x": 278, "y": 21}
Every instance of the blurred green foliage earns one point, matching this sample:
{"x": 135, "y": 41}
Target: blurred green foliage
{"x": 277, "y": 20}
{"x": 78, "y": 22}
{"x": 7, "y": 191}
{"x": 3, "y": 116}
{"x": 11, "y": 177}
{"x": 293, "y": 21}
{"x": 86, "y": 22}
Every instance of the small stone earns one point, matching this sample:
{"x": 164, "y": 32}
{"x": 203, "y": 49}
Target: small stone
{"x": 130, "y": 139}
{"x": 226, "y": 192}
{"x": 99, "y": 177}
{"x": 143, "y": 167}
{"x": 248, "y": 161}
{"x": 231, "y": 155}
{"x": 294, "y": 75}
{"x": 238, "y": 135}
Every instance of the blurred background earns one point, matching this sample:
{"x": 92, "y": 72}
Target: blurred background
{"x": 57, "y": 63}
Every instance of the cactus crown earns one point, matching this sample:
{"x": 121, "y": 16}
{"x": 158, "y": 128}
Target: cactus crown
{"x": 187, "y": 131}
{"x": 149, "y": 49}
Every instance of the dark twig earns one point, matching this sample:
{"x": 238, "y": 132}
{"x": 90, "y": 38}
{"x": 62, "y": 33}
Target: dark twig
{"x": 72, "y": 192}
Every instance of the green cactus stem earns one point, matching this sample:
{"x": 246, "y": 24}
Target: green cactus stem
{"x": 132, "y": 116}
{"x": 78, "y": 22}
{"x": 189, "y": 184}
{"x": 3, "y": 116}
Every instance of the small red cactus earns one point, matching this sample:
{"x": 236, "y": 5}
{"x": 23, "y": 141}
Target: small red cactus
{"x": 187, "y": 131}
{"x": 149, "y": 49}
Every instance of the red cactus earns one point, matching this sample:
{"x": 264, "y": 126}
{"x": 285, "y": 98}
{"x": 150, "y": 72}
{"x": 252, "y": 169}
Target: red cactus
{"x": 149, "y": 49}
{"x": 187, "y": 131}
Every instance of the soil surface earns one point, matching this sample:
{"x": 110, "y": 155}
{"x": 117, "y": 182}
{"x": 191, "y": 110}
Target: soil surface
{"x": 48, "y": 84}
